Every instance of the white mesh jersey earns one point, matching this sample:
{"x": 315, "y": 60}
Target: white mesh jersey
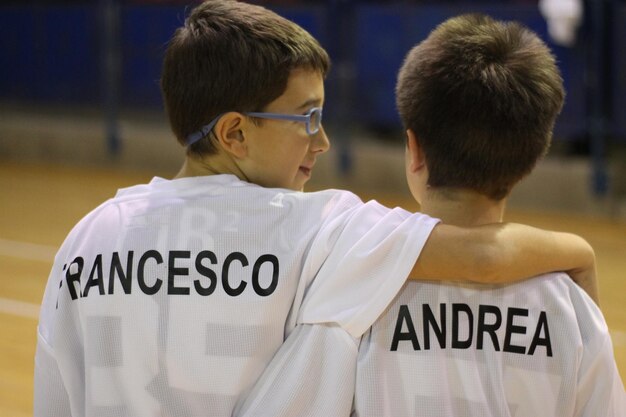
{"x": 172, "y": 297}
{"x": 311, "y": 375}
{"x": 536, "y": 348}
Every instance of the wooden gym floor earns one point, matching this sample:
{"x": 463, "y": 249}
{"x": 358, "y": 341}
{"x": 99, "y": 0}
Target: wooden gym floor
{"x": 39, "y": 204}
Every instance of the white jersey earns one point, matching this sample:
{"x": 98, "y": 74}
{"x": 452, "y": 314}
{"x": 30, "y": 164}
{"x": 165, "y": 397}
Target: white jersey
{"x": 311, "y": 375}
{"x": 536, "y": 348}
{"x": 172, "y": 297}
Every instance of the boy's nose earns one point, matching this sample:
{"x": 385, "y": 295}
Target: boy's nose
{"x": 320, "y": 142}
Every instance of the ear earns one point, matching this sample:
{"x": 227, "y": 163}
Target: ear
{"x": 415, "y": 152}
{"x": 229, "y": 133}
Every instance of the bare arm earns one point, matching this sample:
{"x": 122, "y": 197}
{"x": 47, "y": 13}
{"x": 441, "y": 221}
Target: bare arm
{"x": 504, "y": 252}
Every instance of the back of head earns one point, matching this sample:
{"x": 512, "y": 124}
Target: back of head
{"x": 231, "y": 56}
{"x": 482, "y": 97}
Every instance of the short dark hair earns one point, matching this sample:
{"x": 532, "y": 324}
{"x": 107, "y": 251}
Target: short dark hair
{"x": 231, "y": 56}
{"x": 482, "y": 97}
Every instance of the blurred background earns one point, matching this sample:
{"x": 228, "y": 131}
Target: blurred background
{"x": 81, "y": 116}
{"x": 79, "y": 84}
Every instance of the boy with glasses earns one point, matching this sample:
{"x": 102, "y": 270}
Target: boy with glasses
{"x": 172, "y": 297}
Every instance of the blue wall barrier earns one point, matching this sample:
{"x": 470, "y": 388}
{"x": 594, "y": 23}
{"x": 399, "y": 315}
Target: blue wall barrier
{"x": 386, "y": 33}
{"x": 618, "y": 79}
{"x": 145, "y": 32}
{"x": 53, "y": 54}
{"x": 49, "y": 53}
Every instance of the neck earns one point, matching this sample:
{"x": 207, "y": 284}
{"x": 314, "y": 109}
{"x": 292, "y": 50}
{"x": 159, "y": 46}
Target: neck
{"x": 213, "y": 165}
{"x": 462, "y": 207}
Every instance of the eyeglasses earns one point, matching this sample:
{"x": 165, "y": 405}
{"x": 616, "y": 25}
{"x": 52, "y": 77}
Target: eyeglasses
{"x": 312, "y": 119}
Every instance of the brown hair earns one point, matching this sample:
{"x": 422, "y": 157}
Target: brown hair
{"x": 231, "y": 56}
{"x": 482, "y": 97}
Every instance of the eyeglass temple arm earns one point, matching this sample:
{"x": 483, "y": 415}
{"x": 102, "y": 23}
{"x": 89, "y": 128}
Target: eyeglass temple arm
{"x": 204, "y": 130}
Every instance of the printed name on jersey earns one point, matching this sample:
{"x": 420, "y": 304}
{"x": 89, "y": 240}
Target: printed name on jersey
{"x": 459, "y": 327}
{"x": 84, "y": 278}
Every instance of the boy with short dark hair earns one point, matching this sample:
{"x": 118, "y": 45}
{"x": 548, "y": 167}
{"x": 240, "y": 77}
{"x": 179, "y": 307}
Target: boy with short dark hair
{"x": 537, "y": 347}
{"x": 478, "y": 99}
{"x": 172, "y": 297}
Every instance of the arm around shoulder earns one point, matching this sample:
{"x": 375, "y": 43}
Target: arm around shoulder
{"x": 504, "y": 252}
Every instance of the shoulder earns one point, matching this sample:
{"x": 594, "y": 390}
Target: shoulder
{"x": 568, "y": 296}
{"x": 320, "y": 205}
{"x": 329, "y": 197}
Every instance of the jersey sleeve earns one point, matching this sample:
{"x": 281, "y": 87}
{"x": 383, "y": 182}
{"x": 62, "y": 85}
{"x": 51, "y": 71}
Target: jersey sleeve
{"x": 57, "y": 386}
{"x": 50, "y": 395}
{"x": 51, "y": 389}
{"x": 371, "y": 250}
{"x": 600, "y": 388}
{"x": 312, "y": 374}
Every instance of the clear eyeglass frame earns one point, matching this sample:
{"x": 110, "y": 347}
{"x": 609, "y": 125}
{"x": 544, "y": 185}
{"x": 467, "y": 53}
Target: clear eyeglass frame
{"x": 312, "y": 120}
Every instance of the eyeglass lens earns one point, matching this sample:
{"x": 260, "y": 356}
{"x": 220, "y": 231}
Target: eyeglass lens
{"x": 315, "y": 121}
